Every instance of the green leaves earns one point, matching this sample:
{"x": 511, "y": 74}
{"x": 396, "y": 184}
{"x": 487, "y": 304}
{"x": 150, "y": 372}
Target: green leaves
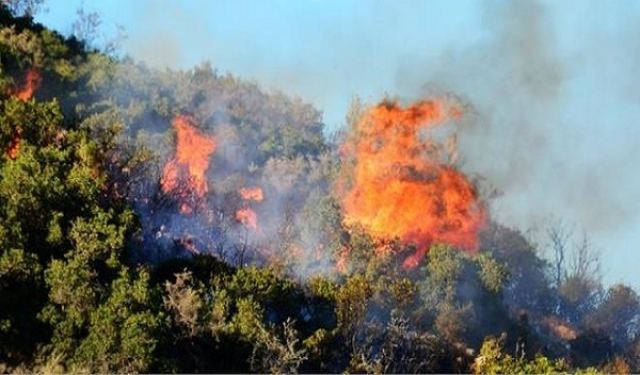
{"x": 121, "y": 333}
{"x": 492, "y": 360}
{"x": 16, "y": 265}
{"x": 492, "y": 273}
{"x": 102, "y": 236}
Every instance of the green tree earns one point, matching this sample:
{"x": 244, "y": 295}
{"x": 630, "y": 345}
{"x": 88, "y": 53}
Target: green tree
{"x": 492, "y": 360}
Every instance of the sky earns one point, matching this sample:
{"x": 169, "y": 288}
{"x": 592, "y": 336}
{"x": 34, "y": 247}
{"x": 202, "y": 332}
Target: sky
{"x": 553, "y": 86}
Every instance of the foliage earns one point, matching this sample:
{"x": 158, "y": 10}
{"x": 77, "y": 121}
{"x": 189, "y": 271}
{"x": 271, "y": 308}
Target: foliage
{"x": 492, "y": 360}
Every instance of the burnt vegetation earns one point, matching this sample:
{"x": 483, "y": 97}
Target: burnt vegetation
{"x": 101, "y": 270}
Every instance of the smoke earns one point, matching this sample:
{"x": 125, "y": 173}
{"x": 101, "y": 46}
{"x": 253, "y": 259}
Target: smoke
{"x": 528, "y": 133}
{"x": 533, "y": 136}
{"x": 220, "y": 179}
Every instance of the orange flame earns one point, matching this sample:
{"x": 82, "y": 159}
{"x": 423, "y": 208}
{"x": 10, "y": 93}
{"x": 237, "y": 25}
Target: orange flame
{"x": 252, "y": 194}
{"x": 246, "y": 215}
{"x": 248, "y": 218}
{"x": 401, "y": 187}
{"x": 187, "y": 169}
{"x": 560, "y": 328}
{"x": 14, "y": 145}
{"x": 32, "y": 81}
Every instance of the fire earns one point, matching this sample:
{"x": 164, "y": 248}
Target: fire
{"x": 248, "y": 218}
{"x": 14, "y": 145}
{"x": 560, "y": 328}
{"x": 403, "y": 184}
{"x": 185, "y": 173}
{"x": 246, "y": 215}
{"x": 32, "y": 81}
{"x": 252, "y": 194}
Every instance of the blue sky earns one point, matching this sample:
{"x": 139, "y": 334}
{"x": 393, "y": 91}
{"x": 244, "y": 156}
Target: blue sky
{"x": 555, "y": 85}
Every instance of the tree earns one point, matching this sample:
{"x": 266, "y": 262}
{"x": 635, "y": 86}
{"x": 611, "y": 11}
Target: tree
{"x": 122, "y": 333}
{"x": 351, "y": 306}
{"x": 528, "y": 286}
{"x": 185, "y": 301}
{"x": 397, "y": 349}
{"x": 86, "y": 26}
{"x": 22, "y": 294}
{"x": 459, "y": 289}
{"x": 576, "y": 272}
{"x": 275, "y": 355}
{"x": 618, "y": 315}
{"x": 491, "y": 360}
{"x": 23, "y": 7}
{"x": 559, "y": 237}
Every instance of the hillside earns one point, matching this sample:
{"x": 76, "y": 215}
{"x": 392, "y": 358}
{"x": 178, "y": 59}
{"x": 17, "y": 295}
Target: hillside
{"x": 191, "y": 221}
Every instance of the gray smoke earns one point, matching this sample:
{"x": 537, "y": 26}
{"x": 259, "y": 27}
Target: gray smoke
{"x": 531, "y": 130}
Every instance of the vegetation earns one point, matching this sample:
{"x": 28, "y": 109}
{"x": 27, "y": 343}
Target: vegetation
{"x": 85, "y": 285}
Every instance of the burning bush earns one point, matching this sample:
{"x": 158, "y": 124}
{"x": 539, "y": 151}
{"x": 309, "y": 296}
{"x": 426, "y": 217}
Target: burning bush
{"x": 402, "y": 182}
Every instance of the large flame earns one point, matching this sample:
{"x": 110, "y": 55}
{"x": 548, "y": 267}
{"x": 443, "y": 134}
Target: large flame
{"x": 184, "y": 175}
{"x": 402, "y": 181}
